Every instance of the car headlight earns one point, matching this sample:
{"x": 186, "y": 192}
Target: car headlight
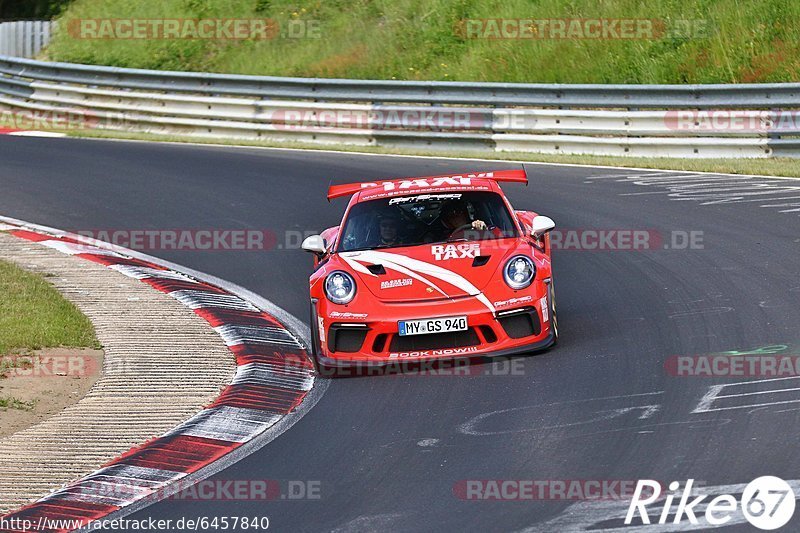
{"x": 340, "y": 287}
{"x": 519, "y": 272}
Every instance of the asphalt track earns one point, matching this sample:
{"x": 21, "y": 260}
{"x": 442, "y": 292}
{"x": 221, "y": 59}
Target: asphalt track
{"x": 388, "y": 451}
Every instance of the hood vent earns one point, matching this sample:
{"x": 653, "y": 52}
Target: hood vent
{"x": 481, "y": 260}
{"x": 378, "y": 269}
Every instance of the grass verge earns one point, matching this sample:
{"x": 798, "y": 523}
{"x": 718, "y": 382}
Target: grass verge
{"x": 784, "y": 167}
{"x": 9, "y": 402}
{"x": 34, "y": 315}
{"x": 698, "y": 41}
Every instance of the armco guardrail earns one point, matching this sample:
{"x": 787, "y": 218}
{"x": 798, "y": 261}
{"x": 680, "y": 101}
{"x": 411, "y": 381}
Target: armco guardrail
{"x": 24, "y": 38}
{"x": 753, "y": 120}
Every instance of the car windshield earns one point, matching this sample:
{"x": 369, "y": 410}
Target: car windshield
{"x": 424, "y": 219}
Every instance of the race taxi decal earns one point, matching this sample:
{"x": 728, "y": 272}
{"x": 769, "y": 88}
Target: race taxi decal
{"x": 443, "y": 252}
{"x": 393, "y": 283}
{"x": 545, "y": 310}
{"x": 427, "y": 182}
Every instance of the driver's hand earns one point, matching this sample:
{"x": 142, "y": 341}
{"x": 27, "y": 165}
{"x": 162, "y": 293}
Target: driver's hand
{"x": 479, "y": 225}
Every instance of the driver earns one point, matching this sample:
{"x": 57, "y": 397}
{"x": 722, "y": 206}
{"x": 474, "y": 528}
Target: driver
{"x": 455, "y": 217}
{"x": 388, "y": 231}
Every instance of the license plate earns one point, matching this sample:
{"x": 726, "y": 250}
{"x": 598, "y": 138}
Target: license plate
{"x": 432, "y": 325}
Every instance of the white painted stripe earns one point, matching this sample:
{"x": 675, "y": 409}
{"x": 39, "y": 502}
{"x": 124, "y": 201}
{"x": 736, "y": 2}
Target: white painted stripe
{"x": 707, "y": 399}
{"x": 714, "y": 189}
{"x": 233, "y": 335}
{"x": 266, "y": 374}
{"x": 767, "y": 380}
{"x": 107, "y": 493}
{"x": 708, "y": 403}
{"x": 358, "y": 267}
{"x": 33, "y": 133}
{"x": 70, "y": 248}
{"x": 7, "y": 227}
{"x": 279, "y": 369}
{"x": 138, "y": 272}
{"x": 76, "y": 495}
{"x": 409, "y": 272}
{"x": 136, "y": 473}
{"x": 201, "y": 299}
{"x": 225, "y": 423}
{"x": 772, "y": 391}
{"x": 749, "y": 406}
{"x": 117, "y": 485}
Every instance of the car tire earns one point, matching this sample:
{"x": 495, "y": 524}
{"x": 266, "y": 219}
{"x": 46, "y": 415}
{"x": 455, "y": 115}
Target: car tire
{"x": 315, "y": 345}
{"x": 553, "y": 315}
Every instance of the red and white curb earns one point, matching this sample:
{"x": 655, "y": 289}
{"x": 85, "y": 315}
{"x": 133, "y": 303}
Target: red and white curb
{"x": 274, "y": 385}
{"x": 30, "y": 133}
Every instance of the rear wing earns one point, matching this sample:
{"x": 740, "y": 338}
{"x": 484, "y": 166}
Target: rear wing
{"x": 347, "y": 189}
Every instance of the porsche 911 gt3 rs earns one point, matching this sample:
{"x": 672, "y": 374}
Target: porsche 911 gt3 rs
{"x": 431, "y": 268}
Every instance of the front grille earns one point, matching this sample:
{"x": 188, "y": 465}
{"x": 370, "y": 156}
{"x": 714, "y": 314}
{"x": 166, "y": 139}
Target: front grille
{"x": 346, "y": 339}
{"x": 521, "y": 324}
{"x": 434, "y": 341}
{"x": 488, "y": 333}
{"x": 379, "y": 342}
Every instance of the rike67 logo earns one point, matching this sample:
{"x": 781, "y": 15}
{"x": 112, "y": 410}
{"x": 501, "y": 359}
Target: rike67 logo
{"x": 767, "y": 503}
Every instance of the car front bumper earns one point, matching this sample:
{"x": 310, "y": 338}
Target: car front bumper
{"x": 348, "y": 341}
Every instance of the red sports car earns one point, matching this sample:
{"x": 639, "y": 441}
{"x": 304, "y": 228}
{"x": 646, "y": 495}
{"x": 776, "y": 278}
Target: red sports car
{"x": 429, "y": 268}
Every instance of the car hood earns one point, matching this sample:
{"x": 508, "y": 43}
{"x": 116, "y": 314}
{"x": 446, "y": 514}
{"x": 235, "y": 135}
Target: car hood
{"x": 430, "y": 271}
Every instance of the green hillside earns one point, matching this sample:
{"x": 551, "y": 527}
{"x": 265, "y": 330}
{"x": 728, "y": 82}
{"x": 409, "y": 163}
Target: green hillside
{"x": 701, "y": 41}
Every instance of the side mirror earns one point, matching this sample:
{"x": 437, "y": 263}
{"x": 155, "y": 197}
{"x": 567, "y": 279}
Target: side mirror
{"x": 542, "y": 225}
{"x": 315, "y": 244}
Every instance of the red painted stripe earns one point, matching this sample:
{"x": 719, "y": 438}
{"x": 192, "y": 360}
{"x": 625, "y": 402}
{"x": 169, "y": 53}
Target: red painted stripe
{"x": 39, "y": 237}
{"x": 170, "y": 285}
{"x": 179, "y": 453}
{"x": 278, "y": 400}
{"x": 258, "y": 353}
{"x": 30, "y": 235}
{"x": 219, "y": 317}
{"x": 110, "y": 260}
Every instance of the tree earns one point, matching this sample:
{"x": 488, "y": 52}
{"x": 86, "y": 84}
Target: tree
{"x": 31, "y": 9}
